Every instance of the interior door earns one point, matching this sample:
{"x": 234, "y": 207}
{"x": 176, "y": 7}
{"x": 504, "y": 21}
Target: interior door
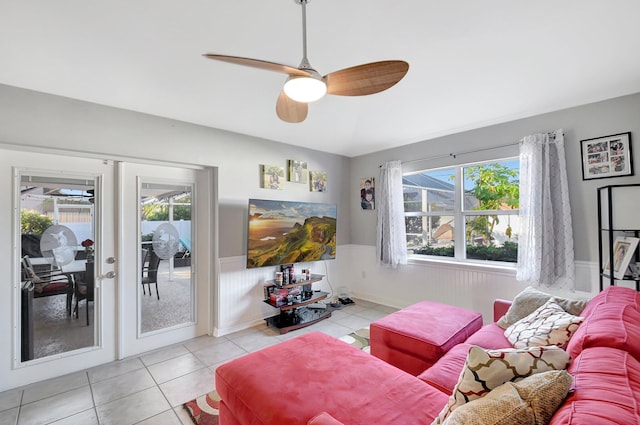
{"x": 63, "y": 226}
{"x": 166, "y": 215}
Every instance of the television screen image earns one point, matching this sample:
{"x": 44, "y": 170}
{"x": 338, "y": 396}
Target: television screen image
{"x": 285, "y": 232}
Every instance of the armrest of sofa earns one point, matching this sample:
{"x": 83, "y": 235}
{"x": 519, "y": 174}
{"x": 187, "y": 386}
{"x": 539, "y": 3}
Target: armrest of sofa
{"x": 500, "y": 308}
{"x": 324, "y": 419}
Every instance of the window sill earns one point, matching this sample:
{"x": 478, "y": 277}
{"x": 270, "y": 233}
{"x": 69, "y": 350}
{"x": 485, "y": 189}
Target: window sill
{"x": 488, "y": 266}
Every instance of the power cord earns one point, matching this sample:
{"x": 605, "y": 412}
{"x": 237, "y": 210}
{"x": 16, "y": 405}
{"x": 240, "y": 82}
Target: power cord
{"x": 326, "y": 273}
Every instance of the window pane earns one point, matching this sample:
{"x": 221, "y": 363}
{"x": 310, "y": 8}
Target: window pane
{"x": 429, "y": 191}
{"x": 492, "y": 186}
{"x": 430, "y": 235}
{"x": 492, "y": 237}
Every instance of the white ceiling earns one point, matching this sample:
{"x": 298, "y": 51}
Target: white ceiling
{"x": 472, "y": 63}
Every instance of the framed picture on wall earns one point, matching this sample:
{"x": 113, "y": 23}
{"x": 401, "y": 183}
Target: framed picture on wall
{"x": 623, "y": 250}
{"x": 368, "y": 193}
{"x": 318, "y": 181}
{"x": 272, "y": 176}
{"x": 608, "y": 156}
{"x": 297, "y": 171}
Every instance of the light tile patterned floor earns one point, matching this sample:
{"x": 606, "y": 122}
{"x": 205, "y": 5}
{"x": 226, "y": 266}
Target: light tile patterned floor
{"x": 151, "y": 388}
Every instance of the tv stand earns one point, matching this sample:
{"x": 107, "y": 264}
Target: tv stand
{"x": 292, "y": 300}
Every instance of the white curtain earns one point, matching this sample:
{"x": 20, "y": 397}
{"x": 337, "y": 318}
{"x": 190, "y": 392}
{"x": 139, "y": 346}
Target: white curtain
{"x": 391, "y": 241}
{"x": 545, "y": 245}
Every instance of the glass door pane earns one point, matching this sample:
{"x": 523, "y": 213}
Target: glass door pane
{"x": 166, "y": 260}
{"x": 57, "y": 238}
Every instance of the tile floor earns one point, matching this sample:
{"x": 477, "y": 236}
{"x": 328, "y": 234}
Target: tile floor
{"x": 151, "y": 388}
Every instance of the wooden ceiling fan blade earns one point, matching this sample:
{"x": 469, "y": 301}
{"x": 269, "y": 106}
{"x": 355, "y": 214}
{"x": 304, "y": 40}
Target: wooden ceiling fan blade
{"x": 289, "y": 110}
{"x": 257, "y": 63}
{"x": 366, "y": 79}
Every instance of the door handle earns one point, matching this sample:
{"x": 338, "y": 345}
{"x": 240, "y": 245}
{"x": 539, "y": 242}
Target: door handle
{"x": 110, "y": 260}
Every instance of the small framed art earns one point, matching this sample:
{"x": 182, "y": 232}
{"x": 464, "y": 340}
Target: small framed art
{"x": 297, "y": 171}
{"x": 318, "y": 181}
{"x": 608, "y": 156}
{"x": 623, "y": 250}
{"x": 272, "y": 176}
{"x": 368, "y": 193}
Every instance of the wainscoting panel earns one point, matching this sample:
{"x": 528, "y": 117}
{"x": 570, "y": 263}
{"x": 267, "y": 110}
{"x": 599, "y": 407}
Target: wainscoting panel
{"x": 355, "y": 271}
{"x": 241, "y": 295}
{"x": 464, "y": 285}
{"x": 241, "y": 290}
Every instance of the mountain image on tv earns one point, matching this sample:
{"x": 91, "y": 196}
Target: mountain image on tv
{"x": 284, "y": 232}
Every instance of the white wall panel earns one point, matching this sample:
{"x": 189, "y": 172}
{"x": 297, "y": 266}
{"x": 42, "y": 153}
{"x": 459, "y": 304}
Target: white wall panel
{"x": 473, "y": 287}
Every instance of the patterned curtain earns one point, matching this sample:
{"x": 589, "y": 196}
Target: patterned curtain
{"x": 391, "y": 241}
{"x": 545, "y": 246}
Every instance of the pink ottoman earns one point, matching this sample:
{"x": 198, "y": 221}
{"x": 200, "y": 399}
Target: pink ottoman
{"x": 414, "y": 338}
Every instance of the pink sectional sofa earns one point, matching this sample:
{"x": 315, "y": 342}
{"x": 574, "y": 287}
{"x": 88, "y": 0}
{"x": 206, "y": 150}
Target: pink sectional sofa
{"x": 318, "y": 380}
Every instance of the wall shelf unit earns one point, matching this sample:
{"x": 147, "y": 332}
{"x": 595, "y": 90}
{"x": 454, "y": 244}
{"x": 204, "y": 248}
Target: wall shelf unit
{"x": 618, "y": 218}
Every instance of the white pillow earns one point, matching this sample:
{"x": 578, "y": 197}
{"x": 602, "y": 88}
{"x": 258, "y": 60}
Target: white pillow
{"x": 527, "y": 301}
{"x": 548, "y": 325}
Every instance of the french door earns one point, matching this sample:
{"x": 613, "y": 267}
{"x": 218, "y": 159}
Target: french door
{"x": 166, "y": 213}
{"x": 79, "y": 228}
{"x": 62, "y": 210}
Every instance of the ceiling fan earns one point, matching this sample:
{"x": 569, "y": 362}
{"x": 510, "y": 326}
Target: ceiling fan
{"x": 306, "y": 85}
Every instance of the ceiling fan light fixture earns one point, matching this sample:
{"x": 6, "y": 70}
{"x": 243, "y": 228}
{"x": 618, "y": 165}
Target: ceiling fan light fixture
{"x": 305, "y": 89}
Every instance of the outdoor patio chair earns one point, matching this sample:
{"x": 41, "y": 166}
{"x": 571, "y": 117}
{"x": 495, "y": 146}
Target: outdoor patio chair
{"x": 47, "y": 283}
{"x": 151, "y": 275}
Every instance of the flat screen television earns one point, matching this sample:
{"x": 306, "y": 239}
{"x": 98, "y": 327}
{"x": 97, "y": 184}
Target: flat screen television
{"x": 284, "y": 232}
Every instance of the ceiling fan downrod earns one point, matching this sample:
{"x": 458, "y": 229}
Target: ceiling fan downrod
{"x": 304, "y": 64}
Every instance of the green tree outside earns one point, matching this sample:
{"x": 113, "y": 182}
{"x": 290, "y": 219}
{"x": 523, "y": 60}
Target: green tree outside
{"x": 496, "y": 186}
{"x": 160, "y": 212}
{"x": 34, "y": 223}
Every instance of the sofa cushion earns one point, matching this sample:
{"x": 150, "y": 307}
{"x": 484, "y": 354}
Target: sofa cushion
{"x": 491, "y": 336}
{"x": 444, "y": 374}
{"x": 550, "y": 324}
{"x": 613, "y": 295}
{"x": 606, "y": 383}
{"x": 532, "y": 400}
{"x": 608, "y": 325}
{"x": 485, "y": 370}
{"x": 530, "y": 299}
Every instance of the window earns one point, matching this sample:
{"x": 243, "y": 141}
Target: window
{"x": 467, "y": 212}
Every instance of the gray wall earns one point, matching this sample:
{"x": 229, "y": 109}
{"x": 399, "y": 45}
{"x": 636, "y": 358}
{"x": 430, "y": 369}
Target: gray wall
{"x": 584, "y": 122}
{"x": 36, "y": 119}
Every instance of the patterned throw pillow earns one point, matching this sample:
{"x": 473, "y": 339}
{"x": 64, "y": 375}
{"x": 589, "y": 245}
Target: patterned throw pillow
{"x": 533, "y": 400}
{"x": 527, "y": 301}
{"x": 548, "y": 325}
{"x": 485, "y": 370}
